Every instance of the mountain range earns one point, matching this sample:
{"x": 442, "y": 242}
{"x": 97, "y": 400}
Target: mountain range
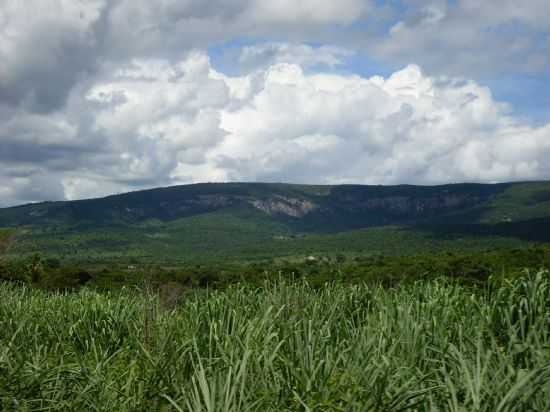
{"x": 226, "y": 220}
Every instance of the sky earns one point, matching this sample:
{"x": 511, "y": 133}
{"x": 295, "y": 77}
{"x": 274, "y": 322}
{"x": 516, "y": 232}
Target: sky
{"x": 108, "y": 96}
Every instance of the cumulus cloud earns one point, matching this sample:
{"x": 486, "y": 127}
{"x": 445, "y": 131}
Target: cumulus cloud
{"x": 44, "y": 49}
{"x": 158, "y": 116}
{"x": 407, "y": 128}
{"x": 102, "y": 96}
{"x": 468, "y": 36}
{"x": 306, "y": 11}
{"x": 155, "y": 122}
{"x": 47, "y": 46}
{"x": 263, "y": 55}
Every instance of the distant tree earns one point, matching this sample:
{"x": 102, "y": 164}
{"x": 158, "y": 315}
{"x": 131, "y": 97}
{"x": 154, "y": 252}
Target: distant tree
{"x": 35, "y": 269}
{"x": 7, "y": 240}
{"x": 52, "y": 263}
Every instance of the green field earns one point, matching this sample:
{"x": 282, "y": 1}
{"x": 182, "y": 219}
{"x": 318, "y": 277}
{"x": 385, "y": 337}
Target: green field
{"x": 194, "y": 299}
{"x": 421, "y": 346}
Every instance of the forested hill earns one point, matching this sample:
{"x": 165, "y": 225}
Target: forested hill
{"x": 224, "y": 214}
{"x": 317, "y": 208}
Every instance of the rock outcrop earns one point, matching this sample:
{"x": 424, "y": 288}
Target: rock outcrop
{"x": 284, "y": 206}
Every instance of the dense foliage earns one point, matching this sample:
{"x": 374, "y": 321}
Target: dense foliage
{"x": 467, "y": 267}
{"x": 213, "y": 222}
{"x": 431, "y": 345}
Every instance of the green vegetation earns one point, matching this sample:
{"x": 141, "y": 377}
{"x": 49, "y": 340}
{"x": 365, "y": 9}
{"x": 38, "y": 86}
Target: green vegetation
{"x": 223, "y": 237}
{"x": 236, "y": 297}
{"x": 6, "y": 240}
{"x": 208, "y": 223}
{"x": 430, "y": 345}
{"x": 519, "y": 202}
{"x": 467, "y": 267}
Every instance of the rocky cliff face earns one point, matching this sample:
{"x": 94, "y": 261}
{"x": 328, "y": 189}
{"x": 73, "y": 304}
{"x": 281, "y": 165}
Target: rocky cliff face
{"x": 284, "y": 206}
{"x": 273, "y": 205}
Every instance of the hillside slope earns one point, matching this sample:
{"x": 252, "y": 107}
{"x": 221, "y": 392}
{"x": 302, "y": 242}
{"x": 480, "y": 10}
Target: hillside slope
{"x": 280, "y": 219}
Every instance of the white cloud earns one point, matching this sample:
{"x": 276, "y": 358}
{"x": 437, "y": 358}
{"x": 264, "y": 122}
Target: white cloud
{"x": 407, "y": 128}
{"x": 99, "y": 96}
{"x": 165, "y": 123}
{"x": 262, "y": 55}
{"x": 142, "y": 27}
{"x": 468, "y": 36}
{"x": 62, "y": 43}
{"x": 49, "y": 46}
{"x": 532, "y": 12}
{"x": 307, "y": 11}
{"x": 153, "y": 122}
{"x": 44, "y": 46}
{"x": 163, "y": 115}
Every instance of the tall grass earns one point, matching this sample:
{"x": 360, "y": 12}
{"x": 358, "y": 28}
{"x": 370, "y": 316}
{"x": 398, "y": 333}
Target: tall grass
{"x": 434, "y": 346}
